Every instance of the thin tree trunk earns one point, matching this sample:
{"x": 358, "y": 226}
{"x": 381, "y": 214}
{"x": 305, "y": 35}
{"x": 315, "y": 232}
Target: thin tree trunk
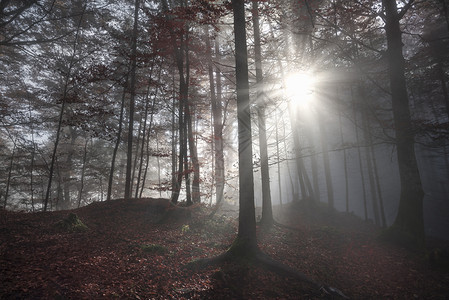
{"x": 442, "y": 77}
{"x": 327, "y": 170}
{"x": 278, "y": 158}
{"x": 136, "y": 156}
{"x": 83, "y": 171}
{"x": 217, "y": 122}
{"x": 68, "y": 170}
{"x": 362, "y": 173}
{"x": 150, "y": 127}
{"x": 117, "y": 143}
{"x": 61, "y": 113}
{"x": 8, "y": 181}
{"x": 314, "y": 165}
{"x": 174, "y": 185}
{"x": 379, "y": 190}
{"x": 33, "y": 154}
{"x": 132, "y": 91}
{"x": 345, "y": 163}
{"x": 267, "y": 211}
{"x": 158, "y": 168}
{"x": 179, "y": 52}
{"x": 196, "y": 193}
{"x": 144, "y": 137}
{"x": 368, "y": 142}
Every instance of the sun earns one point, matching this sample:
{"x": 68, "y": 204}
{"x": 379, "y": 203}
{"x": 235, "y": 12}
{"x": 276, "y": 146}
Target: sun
{"x": 299, "y": 88}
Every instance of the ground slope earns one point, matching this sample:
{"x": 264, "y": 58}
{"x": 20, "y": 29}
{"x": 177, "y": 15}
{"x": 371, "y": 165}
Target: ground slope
{"x": 125, "y": 253}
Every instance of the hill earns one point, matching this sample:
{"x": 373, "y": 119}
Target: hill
{"x": 124, "y": 251}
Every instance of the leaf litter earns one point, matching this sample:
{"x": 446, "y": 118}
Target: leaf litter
{"x": 126, "y": 253}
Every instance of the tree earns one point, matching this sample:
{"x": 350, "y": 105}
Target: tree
{"x": 217, "y": 113}
{"x": 132, "y": 91}
{"x": 61, "y": 113}
{"x": 245, "y": 248}
{"x": 245, "y": 243}
{"x": 409, "y": 220}
{"x": 267, "y": 212}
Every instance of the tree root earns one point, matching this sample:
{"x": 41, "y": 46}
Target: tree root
{"x": 263, "y": 260}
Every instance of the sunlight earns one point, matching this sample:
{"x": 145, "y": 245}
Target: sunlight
{"x": 300, "y": 88}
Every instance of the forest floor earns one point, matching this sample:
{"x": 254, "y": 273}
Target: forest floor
{"x": 124, "y": 253}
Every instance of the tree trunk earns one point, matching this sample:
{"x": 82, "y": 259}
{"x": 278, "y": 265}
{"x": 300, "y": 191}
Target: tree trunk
{"x": 217, "y": 121}
{"x": 196, "y": 193}
{"x": 8, "y": 181}
{"x": 442, "y": 77}
{"x": 370, "y": 168}
{"x": 327, "y": 170}
{"x": 362, "y": 173}
{"x": 409, "y": 219}
{"x": 147, "y": 158}
{"x": 132, "y": 91}
{"x": 61, "y": 113}
{"x": 145, "y": 138}
{"x": 379, "y": 190}
{"x": 345, "y": 163}
{"x": 278, "y": 162}
{"x": 117, "y": 143}
{"x": 245, "y": 243}
{"x": 267, "y": 211}
{"x": 67, "y": 177}
{"x": 83, "y": 171}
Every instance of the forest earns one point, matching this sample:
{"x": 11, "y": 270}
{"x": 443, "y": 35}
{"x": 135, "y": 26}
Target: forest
{"x": 200, "y": 149}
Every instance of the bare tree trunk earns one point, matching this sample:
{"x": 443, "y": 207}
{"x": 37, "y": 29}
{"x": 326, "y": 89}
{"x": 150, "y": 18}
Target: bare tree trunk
{"x": 33, "y": 154}
{"x": 67, "y": 177}
{"x": 327, "y": 170}
{"x": 132, "y": 91}
{"x": 362, "y": 173}
{"x": 314, "y": 164}
{"x": 8, "y": 181}
{"x": 267, "y": 211}
{"x": 196, "y": 193}
{"x": 442, "y": 77}
{"x": 158, "y": 169}
{"x": 369, "y": 164}
{"x": 345, "y": 163}
{"x": 216, "y": 103}
{"x": 83, "y": 171}
{"x": 245, "y": 243}
{"x": 174, "y": 140}
{"x": 117, "y": 143}
{"x": 410, "y": 218}
{"x": 379, "y": 190}
{"x": 278, "y": 158}
{"x": 61, "y": 113}
{"x": 147, "y": 159}
{"x": 136, "y": 156}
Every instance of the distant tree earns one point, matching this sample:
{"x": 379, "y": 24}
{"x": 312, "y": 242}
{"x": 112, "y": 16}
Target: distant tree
{"x": 132, "y": 91}
{"x": 63, "y": 105}
{"x": 267, "y": 211}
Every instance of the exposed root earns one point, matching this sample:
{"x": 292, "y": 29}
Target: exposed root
{"x": 260, "y": 258}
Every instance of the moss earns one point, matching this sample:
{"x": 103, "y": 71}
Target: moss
{"x": 72, "y": 224}
{"x": 154, "y": 249}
